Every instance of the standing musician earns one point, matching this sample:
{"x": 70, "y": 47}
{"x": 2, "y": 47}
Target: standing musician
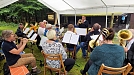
{"x": 108, "y": 53}
{"x": 83, "y": 24}
{"x": 12, "y": 52}
{"x": 93, "y": 31}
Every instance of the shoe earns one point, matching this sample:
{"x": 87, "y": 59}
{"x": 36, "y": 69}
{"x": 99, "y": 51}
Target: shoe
{"x": 84, "y": 57}
{"x": 35, "y": 71}
{"x": 81, "y": 71}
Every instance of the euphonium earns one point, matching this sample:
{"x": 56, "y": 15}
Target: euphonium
{"x": 94, "y": 43}
{"x": 124, "y": 35}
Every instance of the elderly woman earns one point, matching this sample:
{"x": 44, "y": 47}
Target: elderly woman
{"x": 12, "y": 52}
{"x": 53, "y": 47}
{"x": 109, "y": 54}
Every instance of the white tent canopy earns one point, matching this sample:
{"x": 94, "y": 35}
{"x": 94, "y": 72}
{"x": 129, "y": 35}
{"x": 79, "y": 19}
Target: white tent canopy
{"x": 4, "y": 3}
{"x": 84, "y": 6}
{"x": 89, "y": 6}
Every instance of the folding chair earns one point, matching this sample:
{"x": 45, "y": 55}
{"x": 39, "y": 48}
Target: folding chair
{"x": 114, "y": 71}
{"x": 72, "y": 50}
{"x": 55, "y": 57}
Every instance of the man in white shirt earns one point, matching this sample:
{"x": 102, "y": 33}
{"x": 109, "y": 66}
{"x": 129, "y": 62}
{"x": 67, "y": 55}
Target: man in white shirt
{"x": 41, "y": 29}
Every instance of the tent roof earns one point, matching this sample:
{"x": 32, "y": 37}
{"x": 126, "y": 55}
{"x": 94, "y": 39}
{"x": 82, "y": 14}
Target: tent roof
{"x": 89, "y": 6}
{"x": 4, "y": 3}
{"x": 84, "y": 6}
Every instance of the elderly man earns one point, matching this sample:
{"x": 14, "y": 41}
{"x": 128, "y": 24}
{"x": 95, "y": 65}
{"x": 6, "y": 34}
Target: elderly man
{"x": 94, "y": 31}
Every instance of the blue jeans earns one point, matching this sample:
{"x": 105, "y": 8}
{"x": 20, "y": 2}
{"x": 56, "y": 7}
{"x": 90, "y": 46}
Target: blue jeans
{"x": 83, "y": 48}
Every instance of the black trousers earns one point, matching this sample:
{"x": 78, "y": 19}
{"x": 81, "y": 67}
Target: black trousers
{"x": 88, "y": 64}
{"x": 69, "y": 63}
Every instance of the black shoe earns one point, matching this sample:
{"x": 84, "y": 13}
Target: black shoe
{"x": 36, "y": 71}
{"x": 81, "y": 71}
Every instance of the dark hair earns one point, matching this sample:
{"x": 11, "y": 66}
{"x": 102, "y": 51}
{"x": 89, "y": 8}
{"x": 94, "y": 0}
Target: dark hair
{"x": 57, "y": 25}
{"x": 110, "y": 34}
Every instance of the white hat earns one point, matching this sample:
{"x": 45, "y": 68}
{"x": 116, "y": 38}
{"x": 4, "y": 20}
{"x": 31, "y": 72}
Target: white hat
{"x": 44, "y": 21}
{"x": 48, "y": 25}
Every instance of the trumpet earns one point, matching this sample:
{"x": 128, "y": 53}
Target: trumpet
{"x": 124, "y": 35}
{"x": 29, "y": 40}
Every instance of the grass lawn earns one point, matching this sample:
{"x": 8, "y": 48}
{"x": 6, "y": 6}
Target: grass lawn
{"x": 80, "y": 62}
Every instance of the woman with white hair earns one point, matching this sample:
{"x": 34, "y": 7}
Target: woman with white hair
{"x": 53, "y": 47}
{"x": 12, "y": 52}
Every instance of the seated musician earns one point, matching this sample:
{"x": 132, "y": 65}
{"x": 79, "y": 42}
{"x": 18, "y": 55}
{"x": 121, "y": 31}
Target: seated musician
{"x": 52, "y": 47}
{"x": 93, "y": 31}
{"x": 12, "y": 52}
{"x": 70, "y": 30}
{"x": 108, "y": 53}
{"x": 19, "y": 31}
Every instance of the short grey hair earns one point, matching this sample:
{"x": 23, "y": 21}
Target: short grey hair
{"x": 51, "y": 34}
{"x": 6, "y": 34}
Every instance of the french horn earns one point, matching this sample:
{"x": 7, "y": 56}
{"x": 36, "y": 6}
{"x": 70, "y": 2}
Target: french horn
{"x": 124, "y": 35}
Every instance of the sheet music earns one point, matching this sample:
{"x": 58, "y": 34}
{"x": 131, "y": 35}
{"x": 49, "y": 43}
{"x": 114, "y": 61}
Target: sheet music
{"x": 26, "y": 30}
{"x": 61, "y": 30}
{"x": 33, "y": 37}
{"x": 74, "y": 39}
{"x": 66, "y": 38}
{"x": 81, "y": 31}
{"x": 30, "y": 33}
{"x": 70, "y": 38}
{"x": 94, "y": 37}
{"x": 43, "y": 39}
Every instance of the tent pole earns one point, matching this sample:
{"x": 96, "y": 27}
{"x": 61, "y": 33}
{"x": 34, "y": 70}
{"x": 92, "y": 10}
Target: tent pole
{"x": 106, "y": 12}
{"x": 73, "y": 9}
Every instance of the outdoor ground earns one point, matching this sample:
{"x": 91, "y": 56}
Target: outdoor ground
{"x": 80, "y": 62}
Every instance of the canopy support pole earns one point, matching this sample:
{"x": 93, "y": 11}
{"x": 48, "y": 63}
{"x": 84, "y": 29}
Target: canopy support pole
{"x": 73, "y": 9}
{"x": 106, "y": 12}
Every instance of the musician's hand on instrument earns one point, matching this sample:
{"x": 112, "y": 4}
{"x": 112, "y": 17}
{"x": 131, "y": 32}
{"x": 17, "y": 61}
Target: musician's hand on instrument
{"x": 25, "y": 40}
{"x": 125, "y": 49}
{"x": 91, "y": 29}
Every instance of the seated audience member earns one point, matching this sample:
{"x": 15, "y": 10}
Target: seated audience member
{"x": 109, "y": 54}
{"x": 12, "y": 52}
{"x": 93, "y": 31}
{"x": 70, "y": 30}
{"x": 52, "y": 47}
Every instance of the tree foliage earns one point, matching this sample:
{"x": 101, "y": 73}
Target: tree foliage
{"x": 24, "y": 10}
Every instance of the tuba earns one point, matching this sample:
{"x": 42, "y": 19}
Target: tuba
{"x": 124, "y": 35}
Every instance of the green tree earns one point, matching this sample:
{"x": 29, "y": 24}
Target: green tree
{"x": 24, "y": 11}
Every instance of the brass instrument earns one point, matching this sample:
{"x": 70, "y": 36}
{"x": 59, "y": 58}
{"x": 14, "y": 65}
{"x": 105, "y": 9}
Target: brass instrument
{"x": 25, "y": 26}
{"x": 124, "y": 35}
{"x": 94, "y": 43}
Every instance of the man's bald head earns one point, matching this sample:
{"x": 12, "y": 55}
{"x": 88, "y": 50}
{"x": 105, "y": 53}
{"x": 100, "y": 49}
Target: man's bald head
{"x": 96, "y": 26}
{"x": 42, "y": 24}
